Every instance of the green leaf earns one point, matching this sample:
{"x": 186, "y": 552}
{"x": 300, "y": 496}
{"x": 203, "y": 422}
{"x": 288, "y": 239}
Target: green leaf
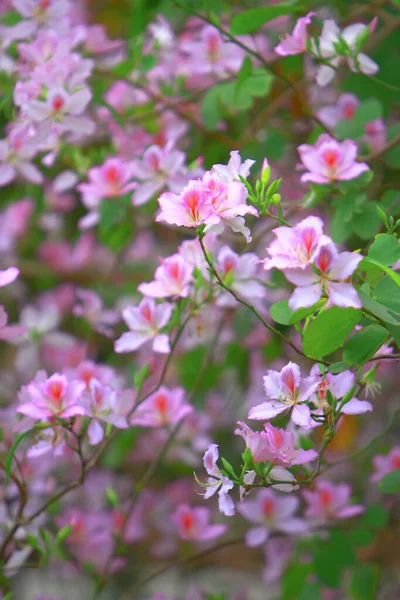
{"x": 302, "y": 313}
{"x": 311, "y": 591}
{"x": 369, "y": 110}
{"x": 387, "y": 293}
{"x": 385, "y": 249}
{"x": 390, "y": 483}
{"x": 329, "y": 330}
{"x": 34, "y": 542}
{"x": 392, "y": 274}
{"x": 251, "y": 20}
{"x": 140, "y": 377}
{"x": 361, "y": 537}
{"x": 379, "y": 310}
{"x": 364, "y": 582}
{"x": 64, "y": 533}
{"x": 17, "y": 442}
{"x": 112, "y": 497}
{"x": 281, "y": 313}
{"x": 294, "y": 580}
{"x": 332, "y": 557}
{"x": 338, "y": 367}
{"x": 210, "y": 108}
{"x": 228, "y": 468}
{"x": 244, "y": 74}
{"x": 363, "y": 344}
{"x": 376, "y": 516}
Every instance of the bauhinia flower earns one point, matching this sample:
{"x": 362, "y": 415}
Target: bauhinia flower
{"x": 145, "y": 323}
{"x": 296, "y": 42}
{"x": 193, "y": 524}
{"x": 295, "y": 247}
{"x": 329, "y": 160}
{"x": 172, "y": 278}
{"x": 217, "y": 482}
{"x": 327, "y": 277}
{"x": 327, "y": 48}
{"x": 330, "y": 501}
{"x": 274, "y": 445}
{"x": 286, "y": 390}
{"x": 386, "y": 463}
{"x": 102, "y": 404}
{"x": 51, "y": 397}
{"x": 241, "y": 272}
{"x": 191, "y": 208}
{"x": 164, "y": 407}
{"x": 271, "y": 512}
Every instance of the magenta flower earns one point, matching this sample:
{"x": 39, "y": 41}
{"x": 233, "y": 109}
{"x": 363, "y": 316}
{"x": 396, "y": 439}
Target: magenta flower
{"x": 295, "y": 247}
{"x": 234, "y": 169}
{"x": 339, "y": 386}
{"x": 286, "y": 390}
{"x": 102, "y": 404}
{"x": 327, "y": 277}
{"x": 111, "y": 180}
{"x": 385, "y": 463}
{"x": 217, "y": 482}
{"x": 296, "y": 42}
{"x": 52, "y": 397}
{"x": 241, "y": 271}
{"x": 329, "y": 160}
{"x": 271, "y": 512}
{"x": 274, "y": 445}
{"x": 193, "y": 207}
{"x": 145, "y": 323}
{"x": 164, "y": 407}
{"x": 344, "y": 108}
{"x": 193, "y": 524}
{"x": 330, "y": 501}
{"x": 172, "y": 278}
{"x": 16, "y": 154}
{"x": 8, "y": 276}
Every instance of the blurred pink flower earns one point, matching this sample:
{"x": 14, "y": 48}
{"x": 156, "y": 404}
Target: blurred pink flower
{"x": 164, "y": 407}
{"x": 172, "y": 278}
{"x": 145, "y": 323}
{"x": 296, "y": 42}
{"x": 385, "y": 463}
{"x": 330, "y": 501}
{"x": 193, "y": 524}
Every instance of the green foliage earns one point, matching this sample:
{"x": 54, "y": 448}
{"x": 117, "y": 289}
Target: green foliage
{"x": 294, "y": 580}
{"x": 390, "y": 483}
{"x": 363, "y": 344}
{"x": 331, "y": 557}
{"x": 364, "y": 582}
{"x": 251, "y": 20}
{"x": 329, "y": 330}
{"x": 385, "y": 249}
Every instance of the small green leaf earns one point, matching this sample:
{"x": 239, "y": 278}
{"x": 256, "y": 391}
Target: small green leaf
{"x": 387, "y": 293}
{"x": 251, "y": 20}
{"x": 281, "y": 313}
{"x": 244, "y": 74}
{"x": 34, "y": 542}
{"x": 329, "y": 330}
{"x": 302, "y": 313}
{"x": 364, "y": 582}
{"x": 376, "y": 516}
{"x": 338, "y": 367}
{"x": 228, "y": 468}
{"x": 64, "y": 533}
{"x": 140, "y": 377}
{"x": 392, "y": 274}
{"x": 363, "y": 344}
{"x": 379, "y": 310}
{"x": 390, "y": 483}
{"x": 385, "y": 249}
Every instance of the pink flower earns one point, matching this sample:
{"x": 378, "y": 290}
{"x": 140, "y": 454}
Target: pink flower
{"x": 339, "y": 386}
{"x": 111, "y": 180}
{"x": 375, "y": 134}
{"x": 8, "y": 276}
{"x": 193, "y": 524}
{"x": 286, "y": 390}
{"x": 9, "y": 332}
{"x": 16, "y": 153}
{"x": 271, "y": 512}
{"x": 277, "y": 554}
{"x": 327, "y": 48}
{"x": 52, "y": 397}
{"x": 217, "y": 482}
{"x": 102, "y": 404}
{"x": 330, "y": 279}
{"x": 91, "y": 308}
{"x": 296, "y": 43}
{"x": 385, "y": 463}
{"x": 172, "y": 278}
{"x": 329, "y": 160}
{"x": 164, "y": 407}
{"x": 145, "y": 323}
{"x": 345, "y": 108}
{"x": 330, "y": 501}
{"x": 274, "y": 445}
{"x": 160, "y": 167}
{"x": 234, "y": 169}
{"x": 229, "y": 203}
{"x": 241, "y": 272}
{"x": 295, "y": 247}
{"x": 193, "y": 207}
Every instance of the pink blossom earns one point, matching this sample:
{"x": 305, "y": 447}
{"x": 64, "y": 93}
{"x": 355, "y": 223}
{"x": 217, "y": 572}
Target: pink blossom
{"x": 64, "y": 257}
{"x": 172, "y": 278}
{"x": 164, "y": 407}
{"x": 385, "y": 463}
{"x": 240, "y": 271}
{"x": 330, "y": 501}
{"x": 274, "y": 445}
{"x": 193, "y": 524}
{"x": 193, "y": 207}
{"x": 235, "y": 169}
{"x": 286, "y": 389}
{"x": 102, "y": 404}
{"x": 91, "y": 308}
{"x": 295, "y": 247}
{"x": 108, "y": 52}
{"x": 329, "y": 160}
{"x": 9, "y": 332}
{"x": 217, "y": 482}
{"x": 271, "y": 512}
{"x": 50, "y": 13}
{"x": 16, "y": 153}
{"x": 330, "y": 280}
{"x": 160, "y": 167}
{"x": 53, "y": 397}
{"x": 145, "y": 323}
{"x": 111, "y": 180}
{"x": 8, "y": 276}
{"x": 296, "y": 42}
{"x": 327, "y": 49}
{"x": 345, "y": 108}
{"x": 375, "y": 134}
{"x": 339, "y": 386}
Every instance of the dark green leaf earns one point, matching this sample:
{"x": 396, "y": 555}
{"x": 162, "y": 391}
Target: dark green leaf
{"x": 251, "y": 20}
{"x": 364, "y": 582}
{"x": 363, "y": 344}
{"x": 329, "y": 330}
{"x": 374, "y": 307}
{"x": 390, "y": 483}
{"x": 376, "y": 516}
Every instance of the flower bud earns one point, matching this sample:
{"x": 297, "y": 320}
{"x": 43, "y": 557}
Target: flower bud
{"x": 265, "y": 172}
